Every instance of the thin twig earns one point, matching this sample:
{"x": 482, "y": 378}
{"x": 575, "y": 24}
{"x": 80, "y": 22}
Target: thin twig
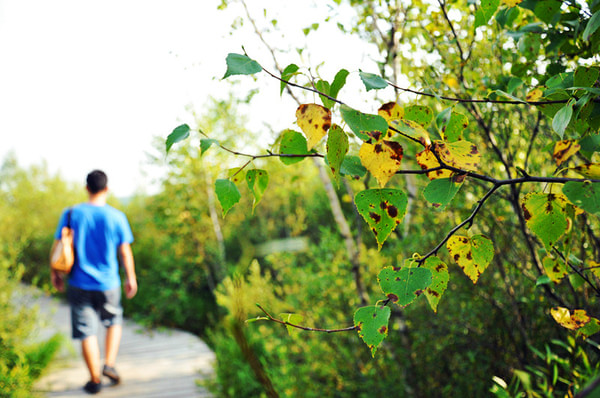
{"x": 308, "y": 329}
{"x": 577, "y": 270}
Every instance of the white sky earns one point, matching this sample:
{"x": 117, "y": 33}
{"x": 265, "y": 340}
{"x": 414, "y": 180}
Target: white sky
{"x": 89, "y": 84}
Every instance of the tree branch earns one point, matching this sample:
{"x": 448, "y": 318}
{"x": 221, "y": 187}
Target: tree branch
{"x": 308, "y": 329}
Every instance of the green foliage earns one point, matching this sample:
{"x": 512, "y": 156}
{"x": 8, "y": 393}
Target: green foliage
{"x": 403, "y": 286}
{"x": 372, "y": 325}
{"x": 238, "y": 64}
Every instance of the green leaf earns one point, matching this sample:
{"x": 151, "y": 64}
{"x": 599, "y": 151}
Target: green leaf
{"x": 592, "y": 26}
{"x": 442, "y": 118}
{"x": 292, "y": 143}
{"x": 485, "y": 12}
{"x": 352, "y": 166}
{"x": 286, "y": 75}
{"x": 545, "y": 216}
{"x": 590, "y": 328}
{"x": 372, "y": 325}
{"x": 372, "y": 81}
{"x": 546, "y": 10}
{"x": 562, "y": 118}
{"x": 179, "y": 133}
{"x": 585, "y": 195}
{"x": 440, "y": 277}
{"x": 419, "y": 113}
{"x": 206, "y": 143}
{"x": 365, "y": 126}
{"x": 561, "y": 80}
{"x": 507, "y": 95}
{"x": 383, "y": 209}
{"x": 439, "y": 192}
{"x": 324, "y": 87}
{"x": 455, "y": 127}
{"x": 403, "y": 286}
{"x": 238, "y": 64}
{"x": 257, "y": 181}
{"x": 295, "y": 319}
{"x": 513, "y": 84}
{"x": 473, "y": 254}
{"x": 338, "y": 82}
{"x": 542, "y": 280}
{"x": 585, "y": 77}
{"x": 337, "y": 147}
{"x": 227, "y": 193}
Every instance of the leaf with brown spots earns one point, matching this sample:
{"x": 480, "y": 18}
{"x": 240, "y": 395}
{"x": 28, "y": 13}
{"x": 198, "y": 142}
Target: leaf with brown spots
{"x": 403, "y": 286}
{"x": 420, "y": 114}
{"x": 337, "y": 147}
{"x": 382, "y": 209}
{"x": 453, "y": 131}
{"x": 570, "y": 319}
{"x": 555, "y": 269}
{"x": 365, "y": 126}
{"x": 382, "y": 159}
{"x": 589, "y": 170}
{"x": 563, "y": 150}
{"x": 534, "y": 95}
{"x": 427, "y": 160}
{"x": 592, "y": 327}
{"x": 314, "y": 121}
{"x": 473, "y": 254}
{"x": 412, "y": 129}
{"x": 440, "y": 277}
{"x": 545, "y": 216}
{"x": 372, "y": 325}
{"x": 460, "y": 154}
{"x": 390, "y": 111}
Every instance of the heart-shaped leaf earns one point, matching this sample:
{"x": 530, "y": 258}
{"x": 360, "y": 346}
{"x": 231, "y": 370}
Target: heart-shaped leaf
{"x": 473, "y": 254}
{"x": 179, "y": 133}
{"x": 227, "y": 193}
{"x": 545, "y": 215}
{"x": 365, "y": 126}
{"x": 337, "y": 147}
{"x": 372, "y": 81}
{"x": 314, "y": 121}
{"x": 382, "y": 209}
{"x": 292, "y": 143}
{"x": 238, "y": 64}
{"x": 372, "y": 325}
{"x": 440, "y": 277}
{"x": 403, "y": 286}
{"x": 257, "y": 180}
{"x": 585, "y": 195}
{"x": 382, "y": 159}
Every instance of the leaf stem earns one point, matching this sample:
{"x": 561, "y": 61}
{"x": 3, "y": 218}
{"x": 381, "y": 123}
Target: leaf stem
{"x": 309, "y": 329}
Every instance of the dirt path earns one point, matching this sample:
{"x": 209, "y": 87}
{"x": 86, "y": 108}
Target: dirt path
{"x": 165, "y": 363}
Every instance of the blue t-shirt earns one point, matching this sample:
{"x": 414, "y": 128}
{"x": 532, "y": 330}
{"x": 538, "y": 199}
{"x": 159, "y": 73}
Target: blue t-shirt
{"x": 97, "y": 233}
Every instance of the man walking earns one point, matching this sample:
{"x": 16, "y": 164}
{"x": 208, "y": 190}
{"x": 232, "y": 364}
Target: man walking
{"x": 101, "y": 237}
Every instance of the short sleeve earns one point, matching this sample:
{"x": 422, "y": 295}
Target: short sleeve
{"x": 125, "y": 234}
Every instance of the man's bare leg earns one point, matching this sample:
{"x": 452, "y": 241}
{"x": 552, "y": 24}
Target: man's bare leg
{"x": 91, "y": 356}
{"x": 113, "y": 339}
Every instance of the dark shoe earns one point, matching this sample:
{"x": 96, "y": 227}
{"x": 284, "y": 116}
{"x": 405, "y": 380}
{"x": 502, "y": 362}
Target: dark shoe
{"x": 92, "y": 388}
{"x": 111, "y": 373}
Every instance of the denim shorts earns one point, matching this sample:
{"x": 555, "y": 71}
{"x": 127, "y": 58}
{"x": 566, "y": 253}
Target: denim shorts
{"x": 88, "y": 308}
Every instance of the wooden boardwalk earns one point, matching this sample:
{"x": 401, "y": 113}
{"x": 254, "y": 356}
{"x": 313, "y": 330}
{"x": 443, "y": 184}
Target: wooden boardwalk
{"x": 157, "y": 363}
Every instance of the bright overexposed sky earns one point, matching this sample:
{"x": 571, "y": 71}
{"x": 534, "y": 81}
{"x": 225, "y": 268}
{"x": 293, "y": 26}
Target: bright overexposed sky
{"x": 89, "y": 84}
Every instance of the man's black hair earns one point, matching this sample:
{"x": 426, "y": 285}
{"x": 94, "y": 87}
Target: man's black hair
{"x": 96, "y": 181}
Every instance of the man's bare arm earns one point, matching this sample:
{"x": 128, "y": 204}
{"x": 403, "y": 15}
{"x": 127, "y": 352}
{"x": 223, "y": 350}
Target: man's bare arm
{"x": 57, "y": 279}
{"x": 126, "y": 257}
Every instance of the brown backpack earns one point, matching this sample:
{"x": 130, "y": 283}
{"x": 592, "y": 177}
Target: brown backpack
{"x": 62, "y": 254}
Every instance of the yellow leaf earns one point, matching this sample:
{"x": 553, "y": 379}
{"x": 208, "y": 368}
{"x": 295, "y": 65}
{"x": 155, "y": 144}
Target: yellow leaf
{"x": 534, "y": 94}
{"x": 590, "y": 170}
{"x": 451, "y": 82}
{"x": 563, "y": 150}
{"x": 391, "y": 111}
{"x": 427, "y": 160}
{"x": 314, "y": 121}
{"x": 460, "y": 154}
{"x": 381, "y": 159}
{"x": 570, "y": 319}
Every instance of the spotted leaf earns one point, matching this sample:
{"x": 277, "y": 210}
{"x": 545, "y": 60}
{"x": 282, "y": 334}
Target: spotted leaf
{"x": 337, "y": 147}
{"x": 412, "y": 129}
{"x": 420, "y": 114}
{"x": 427, "y": 160}
{"x": 382, "y": 159}
{"x": 391, "y": 111}
{"x": 382, "y": 209}
{"x": 592, "y": 327}
{"x": 314, "y": 121}
{"x": 555, "y": 269}
{"x": 457, "y": 123}
{"x": 372, "y": 325}
{"x": 473, "y": 254}
{"x": 440, "y": 277}
{"x": 545, "y": 216}
{"x": 570, "y": 319}
{"x": 440, "y": 192}
{"x": 564, "y": 149}
{"x": 257, "y": 181}
{"x": 227, "y": 193}
{"x": 534, "y": 95}
{"x": 403, "y": 286}
{"x": 460, "y": 154}
{"x": 589, "y": 170}
{"x": 365, "y": 126}
{"x": 585, "y": 195}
